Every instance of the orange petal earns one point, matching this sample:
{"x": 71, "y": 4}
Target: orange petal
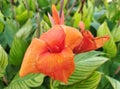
{"x": 89, "y": 42}
{"x": 100, "y": 41}
{"x": 55, "y": 38}
{"x": 73, "y": 36}
{"x": 31, "y": 56}
{"x": 55, "y": 15}
{"x": 59, "y": 66}
{"x": 51, "y": 19}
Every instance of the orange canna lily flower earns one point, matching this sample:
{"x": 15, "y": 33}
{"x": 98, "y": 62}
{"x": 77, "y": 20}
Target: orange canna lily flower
{"x": 73, "y": 36}
{"x": 89, "y": 42}
{"x": 49, "y": 55}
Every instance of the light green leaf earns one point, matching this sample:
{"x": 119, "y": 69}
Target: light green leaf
{"x": 116, "y": 34}
{"x": 86, "y": 17}
{"x": 110, "y": 46}
{"x": 76, "y": 19}
{"x": 17, "y": 51}
{"x": 86, "y": 64}
{"x": 31, "y": 80}
{"x": 24, "y": 16}
{"x": 1, "y": 22}
{"x": 115, "y": 83}
{"x": 25, "y": 31}
{"x": 3, "y": 61}
{"x": 31, "y": 4}
{"x": 90, "y": 83}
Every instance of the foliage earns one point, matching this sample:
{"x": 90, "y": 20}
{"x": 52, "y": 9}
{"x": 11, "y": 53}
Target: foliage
{"x": 22, "y": 20}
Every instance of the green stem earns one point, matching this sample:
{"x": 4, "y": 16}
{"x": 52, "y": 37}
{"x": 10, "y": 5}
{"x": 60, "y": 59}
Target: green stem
{"x": 61, "y": 7}
{"x": 38, "y": 25}
{"x": 69, "y": 11}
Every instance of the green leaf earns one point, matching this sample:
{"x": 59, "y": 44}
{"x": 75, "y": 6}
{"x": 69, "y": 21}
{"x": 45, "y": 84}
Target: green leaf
{"x": 3, "y": 61}
{"x": 25, "y": 31}
{"x": 31, "y": 4}
{"x": 1, "y": 22}
{"x": 115, "y": 83}
{"x": 20, "y": 43}
{"x": 86, "y": 64}
{"x": 110, "y": 46}
{"x": 86, "y": 17}
{"x": 76, "y": 19}
{"x": 24, "y": 16}
{"x": 31, "y": 80}
{"x": 45, "y": 5}
{"x": 116, "y": 34}
{"x": 10, "y": 31}
{"x": 90, "y": 83}
{"x": 2, "y": 40}
{"x": 17, "y": 51}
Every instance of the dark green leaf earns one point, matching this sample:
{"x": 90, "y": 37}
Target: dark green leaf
{"x": 10, "y": 31}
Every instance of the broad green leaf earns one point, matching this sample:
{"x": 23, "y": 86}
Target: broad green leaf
{"x": 116, "y": 34}
{"x": 17, "y": 51}
{"x": 3, "y": 61}
{"x": 2, "y": 40}
{"x": 45, "y": 5}
{"x": 95, "y": 24}
{"x": 31, "y": 4}
{"x": 19, "y": 9}
{"x": 76, "y": 19}
{"x": 25, "y": 31}
{"x": 90, "y": 83}
{"x": 31, "y": 80}
{"x": 110, "y": 46}
{"x": 86, "y": 64}
{"x": 24, "y": 16}
{"x": 20, "y": 43}
{"x": 115, "y": 83}
{"x": 99, "y": 14}
{"x": 10, "y": 31}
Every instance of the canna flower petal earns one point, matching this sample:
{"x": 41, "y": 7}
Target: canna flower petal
{"x": 36, "y": 47}
{"x": 48, "y": 55}
{"x": 55, "y": 15}
{"x": 55, "y": 38}
{"x": 73, "y": 36}
{"x": 89, "y": 42}
{"x": 59, "y": 66}
{"x": 55, "y": 19}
